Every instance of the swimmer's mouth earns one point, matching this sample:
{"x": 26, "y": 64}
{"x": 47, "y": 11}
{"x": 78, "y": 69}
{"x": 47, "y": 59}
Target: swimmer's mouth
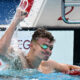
{"x": 46, "y": 53}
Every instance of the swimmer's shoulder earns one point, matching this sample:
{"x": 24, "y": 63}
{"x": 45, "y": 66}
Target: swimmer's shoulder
{"x": 17, "y": 51}
{"x": 12, "y": 52}
{"x": 49, "y": 62}
{"x": 47, "y": 66}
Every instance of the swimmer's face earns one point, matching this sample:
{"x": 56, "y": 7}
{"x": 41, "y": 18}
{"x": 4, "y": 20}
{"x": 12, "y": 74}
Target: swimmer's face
{"x": 43, "y": 48}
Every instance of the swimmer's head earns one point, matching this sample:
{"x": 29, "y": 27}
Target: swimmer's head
{"x": 42, "y": 33}
{"x": 42, "y": 43}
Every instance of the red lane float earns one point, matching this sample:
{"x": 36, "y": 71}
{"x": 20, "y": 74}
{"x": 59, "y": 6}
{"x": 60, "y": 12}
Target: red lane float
{"x": 74, "y": 72}
{"x": 26, "y": 5}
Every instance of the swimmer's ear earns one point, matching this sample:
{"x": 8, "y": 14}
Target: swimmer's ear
{"x": 30, "y": 45}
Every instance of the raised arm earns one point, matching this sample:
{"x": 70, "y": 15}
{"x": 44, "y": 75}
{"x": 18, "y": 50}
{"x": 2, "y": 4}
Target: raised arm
{"x": 6, "y": 38}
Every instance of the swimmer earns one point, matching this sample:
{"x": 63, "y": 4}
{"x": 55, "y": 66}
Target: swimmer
{"x": 40, "y": 50}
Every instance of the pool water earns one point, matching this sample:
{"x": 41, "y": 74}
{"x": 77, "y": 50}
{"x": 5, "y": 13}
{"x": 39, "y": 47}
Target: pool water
{"x": 32, "y": 74}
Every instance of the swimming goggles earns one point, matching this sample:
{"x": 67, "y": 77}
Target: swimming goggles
{"x": 45, "y": 46}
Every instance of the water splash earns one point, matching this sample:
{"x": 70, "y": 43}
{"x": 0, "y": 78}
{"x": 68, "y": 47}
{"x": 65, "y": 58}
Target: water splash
{"x": 14, "y": 41}
{"x": 33, "y": 16}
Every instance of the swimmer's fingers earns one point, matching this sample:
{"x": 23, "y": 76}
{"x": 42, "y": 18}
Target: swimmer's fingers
{"x": 24, "y": 13}
{"x": 20, "y": 14}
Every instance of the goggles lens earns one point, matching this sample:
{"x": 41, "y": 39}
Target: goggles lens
{"x": 44, "y": 46}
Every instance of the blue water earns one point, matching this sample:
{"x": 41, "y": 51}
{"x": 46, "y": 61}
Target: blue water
{"x": 29, "y": 74}
{"x": 7, "y": 10}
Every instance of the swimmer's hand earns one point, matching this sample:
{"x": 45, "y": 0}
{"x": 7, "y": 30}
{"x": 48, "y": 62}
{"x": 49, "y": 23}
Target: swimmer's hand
{"x": 74, "y": 72}
{"x": 20, "y": 15}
